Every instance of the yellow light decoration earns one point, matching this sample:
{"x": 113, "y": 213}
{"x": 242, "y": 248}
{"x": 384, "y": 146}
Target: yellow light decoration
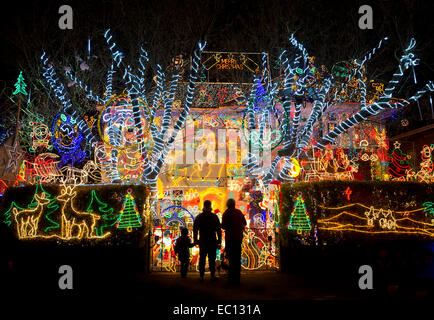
{"x": 426, "y": 173}
{"x": 160, "y": 191}
{"x": 254, "y": 253}
{"x": 217, "y": 197}
{"x": 295, "y": 170}
{"x": 71, "y": 218}
{"x": 40, "y": 135}
{"x": 364, "y": 144}
{"x": 328, "y": 167}
{"x": 27, "y": 220}
{"x": 375, "y": 221}
{"x": 203, "y": 173}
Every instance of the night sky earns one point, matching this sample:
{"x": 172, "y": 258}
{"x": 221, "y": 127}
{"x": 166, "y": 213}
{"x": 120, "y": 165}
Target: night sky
{"x": 328, "y": 29}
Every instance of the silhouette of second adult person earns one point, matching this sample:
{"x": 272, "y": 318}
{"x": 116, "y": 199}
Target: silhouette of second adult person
{"x": 207, "y": 225}
{"x": 233, "y": 222}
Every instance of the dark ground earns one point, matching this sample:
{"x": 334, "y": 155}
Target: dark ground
{"x": 112, "y": 280}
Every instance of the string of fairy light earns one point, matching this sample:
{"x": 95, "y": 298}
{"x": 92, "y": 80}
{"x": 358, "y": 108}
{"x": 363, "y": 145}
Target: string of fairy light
{"x": 135, "y": 88}
{"x": 295, "y": 140}
{"x": 407, "y": 60}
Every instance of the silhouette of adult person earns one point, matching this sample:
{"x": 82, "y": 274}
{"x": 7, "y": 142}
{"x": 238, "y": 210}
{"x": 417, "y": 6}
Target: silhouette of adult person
{"x": 233, "y": 222}
{"x": 207, "y": 224}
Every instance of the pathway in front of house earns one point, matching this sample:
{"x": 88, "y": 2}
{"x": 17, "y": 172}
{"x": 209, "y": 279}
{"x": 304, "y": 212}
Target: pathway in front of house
{"x": 254, "y": 286}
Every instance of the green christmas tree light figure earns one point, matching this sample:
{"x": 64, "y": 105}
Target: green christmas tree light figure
{"x": 129, "y": 217}
{"x": 20, "y": 86}
{"x": 299, "y": 219}
{"x": 52, "y": 207}
{"x": 109, "y": 218}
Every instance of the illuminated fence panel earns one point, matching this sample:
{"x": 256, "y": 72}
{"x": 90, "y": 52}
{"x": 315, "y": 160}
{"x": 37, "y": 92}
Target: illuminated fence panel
{"x": 86, "y": 214}
{"x": 341, "y": 210}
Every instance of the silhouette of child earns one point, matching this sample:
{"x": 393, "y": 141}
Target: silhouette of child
{"x": 182, "y": 246}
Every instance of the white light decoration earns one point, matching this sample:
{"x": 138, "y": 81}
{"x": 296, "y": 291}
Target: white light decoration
{"x": 150, "y": 163}
{"x": 295, "y": 87}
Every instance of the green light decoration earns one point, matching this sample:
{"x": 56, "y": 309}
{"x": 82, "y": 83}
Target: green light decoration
{"x": 276, "y": 214}
{"x": 20, "y": 86}
{"x": 8, "y": 214}
{"x": 429, "y": 207}
{"x": 109, "y": 218}
{"x": 129, "y": 217}
{"x": 299, "y": 219}
{"x": 52, "y": 207}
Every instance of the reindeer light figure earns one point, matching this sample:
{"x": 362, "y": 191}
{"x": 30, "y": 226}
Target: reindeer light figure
{"x": 29, "y": 218}
{"x": 71, "y": 218}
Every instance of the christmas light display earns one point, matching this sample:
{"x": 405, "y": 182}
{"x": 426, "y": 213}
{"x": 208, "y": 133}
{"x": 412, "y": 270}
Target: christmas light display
{"x": 8, "y": 213}
{"x": 14, "y": 157}
{"x": 299, "y": 219}
{"x": 425, "y": 173}
{"x": 177, "y": 216}
{"x": 348, "y": 193}
{"x": 49, "y": 211}
{"x": 287, "y": 122}
{"x": 133, "y": 80}
{"x": 41, "y": 136}
{"x": 47, "y": 169}
{"x": 75, "y": 224}
{"x": 108, "y": 216}
{"x": 428, "y": 207}
{"x": 357, "y": 217}
{"x": 57, "y": 87}
{"x": 67, "y": 138}
{"x": 254, "y": 252}
{"x": 398, "y": 166}
{"x": 296, "y": 89}
{"x": 328, "y": 166}
{"x": 27, "y": 220}
{"x": 129, "y": 216}
{"x": 20, "y": 86}
{"x": 407, "y": 60}
{"x": 73, "y": 176}
{"x": 58, "y": 215}
{"x": 3, "y": 187}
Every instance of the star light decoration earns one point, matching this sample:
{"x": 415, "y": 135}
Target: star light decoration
{"x": 14, "y": 157}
